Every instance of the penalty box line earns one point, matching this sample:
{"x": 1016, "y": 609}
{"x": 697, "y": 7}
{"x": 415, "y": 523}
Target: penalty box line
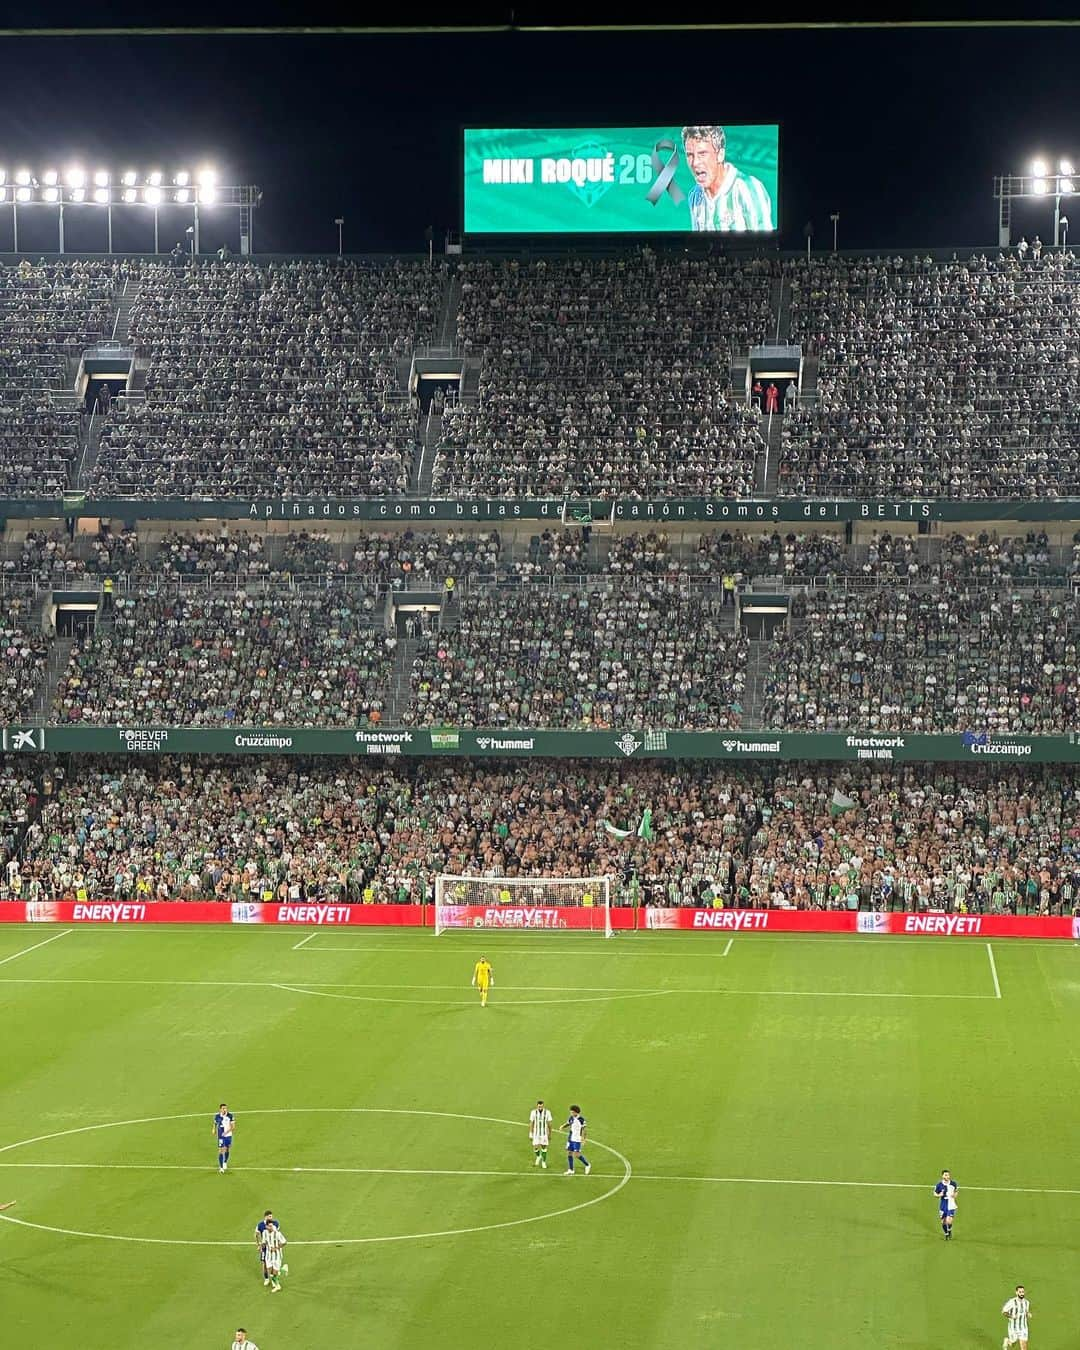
{"x": 525, "y": 1172}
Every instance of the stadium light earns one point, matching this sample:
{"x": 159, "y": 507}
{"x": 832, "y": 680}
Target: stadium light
{"x": 1040, "y": 182}
{"x": 76, "y": 184}
{"x": 3, "y": 194}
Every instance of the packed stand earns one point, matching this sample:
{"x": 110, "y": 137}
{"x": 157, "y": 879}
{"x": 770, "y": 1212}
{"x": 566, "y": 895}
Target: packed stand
{"x": 24, "y": 654}
{"x": 223, "y": 658}
{"x": 946, "y": 660}
{"x": 641, "y": 655}
{"x": 605, "y": 378}
{"x": 49, "y": 311}
{"x": 952, "y": 379}
{"x": 270, "y": 379}
{"x": 969, "y": 838}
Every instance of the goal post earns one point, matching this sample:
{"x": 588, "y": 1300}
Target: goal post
{"x": 581, "y": 904}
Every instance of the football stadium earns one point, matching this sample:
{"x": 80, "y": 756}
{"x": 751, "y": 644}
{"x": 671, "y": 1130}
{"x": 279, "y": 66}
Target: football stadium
{"x": 524, "y": 740}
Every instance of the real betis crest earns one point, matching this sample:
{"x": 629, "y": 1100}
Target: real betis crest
{"x": 589, "y": 193}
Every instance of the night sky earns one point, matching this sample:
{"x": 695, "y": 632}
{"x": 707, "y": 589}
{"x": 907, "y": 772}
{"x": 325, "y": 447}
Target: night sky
{"x": 901, "y": 132}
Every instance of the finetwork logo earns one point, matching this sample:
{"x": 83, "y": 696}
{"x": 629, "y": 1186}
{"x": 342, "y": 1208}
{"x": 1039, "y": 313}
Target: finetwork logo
{"x": 383, "y": 742}
{"x": 628, "y": 744}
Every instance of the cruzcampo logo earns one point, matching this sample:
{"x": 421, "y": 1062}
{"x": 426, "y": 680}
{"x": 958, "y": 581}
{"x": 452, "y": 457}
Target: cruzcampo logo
{"x": 445, "y": 740}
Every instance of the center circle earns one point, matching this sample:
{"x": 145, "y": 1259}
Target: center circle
{"x": 619, "y": 1183}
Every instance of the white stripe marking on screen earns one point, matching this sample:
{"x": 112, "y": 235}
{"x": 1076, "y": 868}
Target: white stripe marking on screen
{"x": 304, "y": 941}
{"x": 55, "y": 937}
{"x": 728, "y": 947}
{"x": 993, "y": 970}
{"x": 527, "y": 1174}
{"x": 581, "y": 990}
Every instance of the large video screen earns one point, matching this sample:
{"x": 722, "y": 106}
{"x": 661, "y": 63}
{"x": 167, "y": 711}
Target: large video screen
{"x": 622, "y": 180}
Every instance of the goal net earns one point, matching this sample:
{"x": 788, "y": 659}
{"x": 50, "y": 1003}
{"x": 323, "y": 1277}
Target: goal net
{"x": 579, "y": 903}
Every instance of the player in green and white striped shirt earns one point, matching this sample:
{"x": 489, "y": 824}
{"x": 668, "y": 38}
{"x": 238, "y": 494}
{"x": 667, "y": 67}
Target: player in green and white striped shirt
{"x": 723, "y": 199}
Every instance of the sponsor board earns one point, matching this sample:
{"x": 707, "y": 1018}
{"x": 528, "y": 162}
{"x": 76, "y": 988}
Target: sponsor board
{"x": 727, "y": 921}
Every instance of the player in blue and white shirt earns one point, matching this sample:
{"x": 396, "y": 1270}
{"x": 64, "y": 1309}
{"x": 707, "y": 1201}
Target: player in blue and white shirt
{"x": 575, "y": 1129}
{"x": 946, "y": 1190}
{"x": 224, "y": 1123}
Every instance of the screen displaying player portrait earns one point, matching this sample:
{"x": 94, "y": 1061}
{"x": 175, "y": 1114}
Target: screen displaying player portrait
{"x": 709, "y": 179}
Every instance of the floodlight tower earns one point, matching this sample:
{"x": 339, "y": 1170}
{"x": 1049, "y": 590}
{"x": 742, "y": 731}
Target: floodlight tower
{"x": 1039, "y": 183}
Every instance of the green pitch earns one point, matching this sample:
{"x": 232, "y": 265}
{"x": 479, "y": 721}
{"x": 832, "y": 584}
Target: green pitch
{"x": 733, "y": 1101}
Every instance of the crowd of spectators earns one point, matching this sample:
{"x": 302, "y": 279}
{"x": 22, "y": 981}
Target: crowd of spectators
{"x": 270, "y": 379}
{"x": 24, "y": 653}
{"x": 605, "y": 378}
{"x": 971, "y": 837}
{"x": 221, "y": 658}
{"x": 642, "y": 654}
{"x": 952, "y": 379}
{"x": 49, "y": 312}
{"x": 920, "y": 660}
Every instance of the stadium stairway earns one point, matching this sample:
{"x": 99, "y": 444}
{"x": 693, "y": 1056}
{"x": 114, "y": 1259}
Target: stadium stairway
{"x": 122, "y": 321}
{"x": 780, "y": 305}
{"x": 400, "y": 689}
{"x": 89, "y": 444}
{"x": 59, "y": 660}
{"x": 449, "y": 317}
{"x": 424, "y": 460}
{"x": 767, "y": 467}
{"x": 757, "y": 670}
{"x": 808, "y": 394}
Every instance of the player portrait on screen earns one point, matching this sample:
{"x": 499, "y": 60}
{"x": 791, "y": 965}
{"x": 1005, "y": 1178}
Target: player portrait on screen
{"x": 723, "y": 198}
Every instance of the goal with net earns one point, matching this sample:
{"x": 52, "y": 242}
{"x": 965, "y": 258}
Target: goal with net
{"x": 579, "y": 903}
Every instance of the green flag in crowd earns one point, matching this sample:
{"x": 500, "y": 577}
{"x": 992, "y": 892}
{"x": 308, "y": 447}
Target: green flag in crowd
{"x": 840, "y": 804}
{"x": 644, "y": 830}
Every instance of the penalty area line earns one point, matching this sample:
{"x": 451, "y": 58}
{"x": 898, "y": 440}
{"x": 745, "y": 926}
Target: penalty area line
{"x": 304, "y": 941}
{"x": 55, "y": 938}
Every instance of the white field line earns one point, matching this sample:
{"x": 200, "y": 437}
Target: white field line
{"x": 548, "y": 988}
{"x": 304, "y": 941}
{"x": 55, "y": 938}
{"x": 993, "y": 970}
{"x": 632, "y": 944}
{"x": 528, "y": 1172}
{"x": 728, "y": 947}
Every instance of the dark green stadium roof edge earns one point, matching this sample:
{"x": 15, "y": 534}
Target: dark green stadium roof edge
{"x": 691, "y": 510}
{"x": 532, "y": 743}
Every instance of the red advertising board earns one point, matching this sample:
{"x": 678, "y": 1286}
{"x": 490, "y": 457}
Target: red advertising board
{"x": 721, "y": 921}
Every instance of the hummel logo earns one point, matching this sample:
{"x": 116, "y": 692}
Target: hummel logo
{"x": 483, "y": 742}
{"x": 730, "y": 745}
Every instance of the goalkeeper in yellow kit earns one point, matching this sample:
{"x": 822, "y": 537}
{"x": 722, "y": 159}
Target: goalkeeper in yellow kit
{"x": 483, "y": 979}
